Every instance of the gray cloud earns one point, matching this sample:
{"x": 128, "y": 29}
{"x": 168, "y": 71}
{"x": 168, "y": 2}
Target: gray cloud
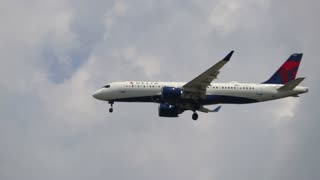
{"x": 55, "y": 54}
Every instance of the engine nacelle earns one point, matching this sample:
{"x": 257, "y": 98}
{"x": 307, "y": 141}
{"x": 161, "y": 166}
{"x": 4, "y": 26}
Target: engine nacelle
{"x": 167, "y": 110}
{"x": 171, "y": 93}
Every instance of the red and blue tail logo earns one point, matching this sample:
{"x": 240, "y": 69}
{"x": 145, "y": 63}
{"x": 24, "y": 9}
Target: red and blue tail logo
{"x": 287, "y": 71}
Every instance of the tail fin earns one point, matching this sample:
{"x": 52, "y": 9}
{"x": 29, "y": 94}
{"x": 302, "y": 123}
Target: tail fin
{"x": 287, "y": 72}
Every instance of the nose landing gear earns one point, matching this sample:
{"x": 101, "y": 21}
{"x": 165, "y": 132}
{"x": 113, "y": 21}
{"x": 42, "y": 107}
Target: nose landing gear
{"x": 111, "y": 108}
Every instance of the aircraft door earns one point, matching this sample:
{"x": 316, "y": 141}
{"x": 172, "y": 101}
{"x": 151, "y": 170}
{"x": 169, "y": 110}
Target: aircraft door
{"x": 259, "y": 91}
{"x": 122, "y": 88}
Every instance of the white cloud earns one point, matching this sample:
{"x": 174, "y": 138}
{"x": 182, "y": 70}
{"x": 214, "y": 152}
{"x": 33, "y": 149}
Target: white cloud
{"x": 226, "y": 16}
{"x": 119, "y": 9}
{"x": 149, "y": 64}
{"x": 57, "y": 130}
{"x": 285, "y": 110}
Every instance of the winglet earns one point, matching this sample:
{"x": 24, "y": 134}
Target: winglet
{"x": 227, "y": 58}
{"x": 292, "y": 84}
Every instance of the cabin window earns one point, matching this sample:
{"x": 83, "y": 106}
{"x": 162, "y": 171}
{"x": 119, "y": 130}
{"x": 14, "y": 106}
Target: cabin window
{"x": 106, "y": 86}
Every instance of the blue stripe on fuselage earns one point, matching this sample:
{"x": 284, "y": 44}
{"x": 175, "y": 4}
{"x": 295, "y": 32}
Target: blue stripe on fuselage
{"x": 210, "y": 99}
{"x": 219, "y": 99}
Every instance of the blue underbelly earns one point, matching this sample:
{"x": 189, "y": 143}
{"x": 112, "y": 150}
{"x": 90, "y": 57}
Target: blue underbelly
{"x": 210, "y": 99}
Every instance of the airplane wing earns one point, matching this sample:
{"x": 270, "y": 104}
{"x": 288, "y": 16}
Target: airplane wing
{"x": 197, "y": 87}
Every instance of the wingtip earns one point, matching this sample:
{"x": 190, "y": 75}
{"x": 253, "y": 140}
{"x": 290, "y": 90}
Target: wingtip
{"x": 227, "y": 58}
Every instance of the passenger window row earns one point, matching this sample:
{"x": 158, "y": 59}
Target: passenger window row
{"x": 230, "y": 87}
{"x": 212, "y": 87}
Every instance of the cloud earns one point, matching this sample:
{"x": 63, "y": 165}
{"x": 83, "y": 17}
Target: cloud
{"x": 56, "y": 54}
{"x": 287, "y": 109}
{"x": 223, "y": 16}
{"x": 228, "y": 16}
{"x": 150, "y": 64}
{"x": 119, "y": 9}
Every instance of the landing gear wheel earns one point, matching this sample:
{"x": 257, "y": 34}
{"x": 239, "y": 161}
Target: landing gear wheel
{"x": 194, "y": 116}
{"x": 111, "y": 108}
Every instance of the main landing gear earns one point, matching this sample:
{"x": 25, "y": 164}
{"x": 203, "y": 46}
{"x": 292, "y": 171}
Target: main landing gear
{"x": 195, "y": 116}
{"x": 111, "y": 108}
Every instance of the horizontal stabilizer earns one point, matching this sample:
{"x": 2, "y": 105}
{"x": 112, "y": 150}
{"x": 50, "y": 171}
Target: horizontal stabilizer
{"x": 216, "y": 109}
{"x": 292, "y": 84}
{"x": 205, "y": 110}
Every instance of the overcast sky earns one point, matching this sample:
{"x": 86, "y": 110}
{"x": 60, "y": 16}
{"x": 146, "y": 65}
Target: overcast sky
{"x": 55, "y": 54}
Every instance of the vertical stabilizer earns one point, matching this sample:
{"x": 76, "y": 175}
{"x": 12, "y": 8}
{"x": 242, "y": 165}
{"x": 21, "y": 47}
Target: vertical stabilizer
{"x": 287, "y": 72}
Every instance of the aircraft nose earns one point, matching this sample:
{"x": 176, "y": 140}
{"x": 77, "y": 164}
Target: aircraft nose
{"x": 97, "y": 94}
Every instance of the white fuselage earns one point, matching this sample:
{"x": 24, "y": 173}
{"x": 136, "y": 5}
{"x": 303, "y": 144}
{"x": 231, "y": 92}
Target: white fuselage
{"x": 176, "y": 97}
{"x": 133, "y": 91}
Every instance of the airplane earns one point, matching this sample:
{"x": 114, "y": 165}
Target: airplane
{"x": 176, "y": 97}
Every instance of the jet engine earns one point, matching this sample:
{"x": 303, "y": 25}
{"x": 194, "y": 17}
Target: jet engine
{"x": 167, "y": 110}
{"x": 171, "y": 93}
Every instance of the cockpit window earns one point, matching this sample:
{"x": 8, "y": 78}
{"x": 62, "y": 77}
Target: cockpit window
{"x": 107, "y": 86}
